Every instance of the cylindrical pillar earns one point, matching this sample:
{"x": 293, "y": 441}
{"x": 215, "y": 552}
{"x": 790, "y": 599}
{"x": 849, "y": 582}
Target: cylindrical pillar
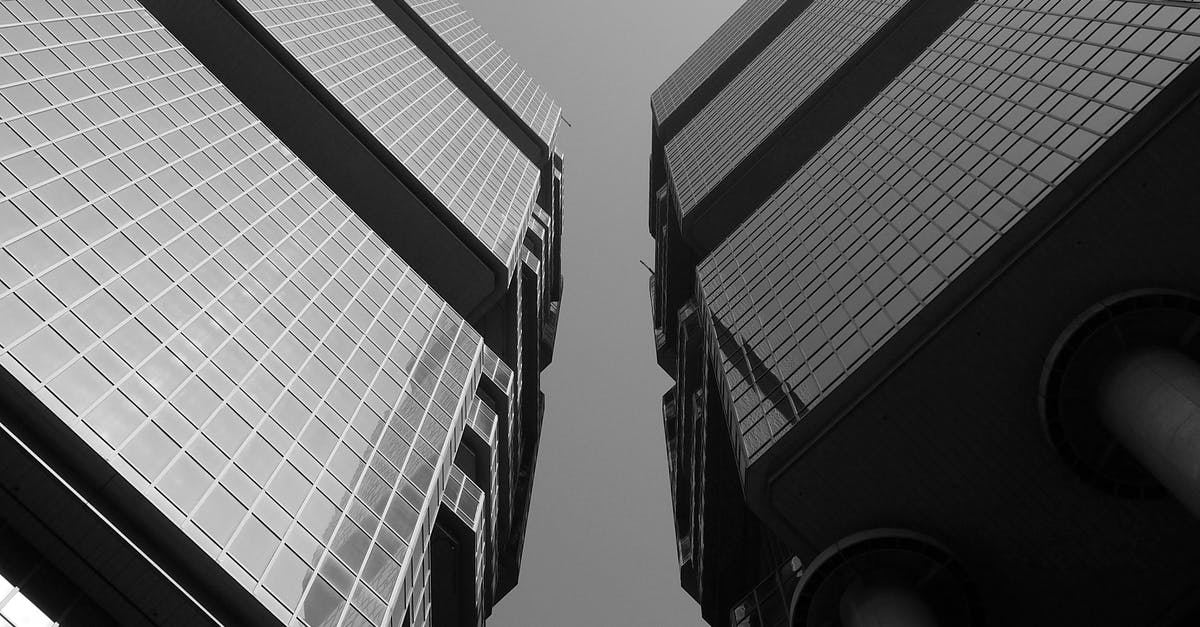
{"x": 1150, "y": 401}
{"x": 885, "y": 603}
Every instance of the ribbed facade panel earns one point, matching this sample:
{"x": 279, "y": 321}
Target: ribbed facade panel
{"x": 719, "y": 46}
{"x": 363, "y": 59}
{"x": 27, "y": 577}
{"x": 499, "y": 70}
{"x": 203, "y": 312}
{"x": 762, "y": 96}
{"x": 970, "y": 137}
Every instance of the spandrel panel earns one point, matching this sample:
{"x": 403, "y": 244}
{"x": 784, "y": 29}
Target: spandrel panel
{"x": 34, "y": 593}
{"x": 965, "y": 141}
{"x": 184, "y": 294}
{"x": 734, "y": 32}
{"x": 499, "y": 70}
{"x": 758, "y": 99}
{"x": 412, "y": 108}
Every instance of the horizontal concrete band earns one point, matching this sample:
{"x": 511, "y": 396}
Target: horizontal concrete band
{"x": 466, "y": 80}
{"x": 352, "y": 161}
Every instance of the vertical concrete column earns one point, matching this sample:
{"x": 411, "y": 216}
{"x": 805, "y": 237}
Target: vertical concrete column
{"x": 885, "y": 603}
{"x": 1150, "y": 400}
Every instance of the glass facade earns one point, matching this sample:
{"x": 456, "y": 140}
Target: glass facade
{"x": 403, "y": 99}
{"x": 762, "y": 96}
{"x": 711, "y": 54}
{"x": 463, "y": 497}
{"x": 194, "y": 303}
{"x": 460, "y": 31}
{"x": 965, "y": 141}
{"x": 767, "y": 604}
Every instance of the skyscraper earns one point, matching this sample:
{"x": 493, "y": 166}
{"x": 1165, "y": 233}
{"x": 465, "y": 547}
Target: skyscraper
{"x": 277, "y": 282}
{"x": 927, "y": 282}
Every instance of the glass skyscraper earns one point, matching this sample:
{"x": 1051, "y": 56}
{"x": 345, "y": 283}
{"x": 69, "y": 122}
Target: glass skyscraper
{"x": 926, "y": 280}
{"x": 277, "y": 282}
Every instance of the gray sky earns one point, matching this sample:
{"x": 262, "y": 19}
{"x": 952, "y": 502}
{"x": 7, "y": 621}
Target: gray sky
{"x": 600, "y": 548}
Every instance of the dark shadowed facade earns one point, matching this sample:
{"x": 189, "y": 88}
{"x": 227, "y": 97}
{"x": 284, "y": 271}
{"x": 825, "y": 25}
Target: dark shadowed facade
{"x": 278, "y": 279}
{"x": 928, "y": 283}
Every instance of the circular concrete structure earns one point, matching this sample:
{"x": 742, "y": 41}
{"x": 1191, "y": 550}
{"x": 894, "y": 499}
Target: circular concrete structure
{"x": 885, "y": 578}
{"x": 1117, "y": 391}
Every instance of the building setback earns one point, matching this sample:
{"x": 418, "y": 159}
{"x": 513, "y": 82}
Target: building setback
{"x": 277, "y": 282}
{"x": 927, "y": 282}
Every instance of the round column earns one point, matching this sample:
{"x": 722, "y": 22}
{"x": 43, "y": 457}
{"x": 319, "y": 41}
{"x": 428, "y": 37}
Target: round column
{"x": 1149, "y": 399}
{"x": 885, "y": 578}
{"x": 884, "y": 603}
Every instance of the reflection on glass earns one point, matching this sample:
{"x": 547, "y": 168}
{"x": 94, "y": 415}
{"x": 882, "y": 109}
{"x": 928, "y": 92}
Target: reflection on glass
{"x": 188, "y": 296}
{"x": 966, "y": 140}
{"x": 754, "y": 103}
{"x": 372, "y": 68}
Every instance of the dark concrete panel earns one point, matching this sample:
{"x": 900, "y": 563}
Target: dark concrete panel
{"x": 940, "y": 432}
{"x": 344, "y": 154}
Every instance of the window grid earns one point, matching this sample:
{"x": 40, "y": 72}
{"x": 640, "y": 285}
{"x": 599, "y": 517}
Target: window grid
{"x": 415, "y": 578}
{"x": 974, "y": 133}
{"x": 460, "y": 31}
{"x": 761, "y": 96}
{"x": 464, "y": 498}
{"x": 732, "y": 33}
{"x": 767, "y": 604}
{"x": 401, "y": 97}
{"x": 420, "y": 604}
{"x": 186, "y": 296}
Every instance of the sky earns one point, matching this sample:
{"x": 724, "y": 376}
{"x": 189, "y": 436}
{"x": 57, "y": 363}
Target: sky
{"x": 600, "y": 548}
